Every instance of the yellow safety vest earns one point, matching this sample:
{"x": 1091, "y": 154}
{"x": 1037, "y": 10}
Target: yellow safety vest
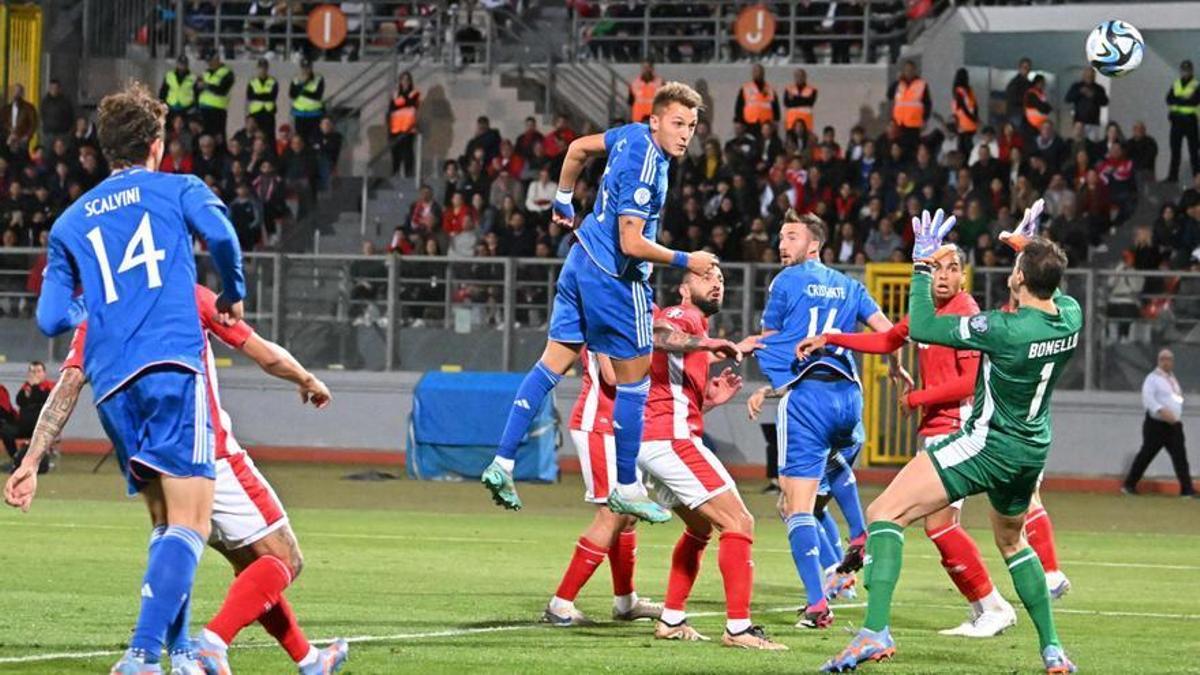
{"x": 307, "y": 102}
{"x": 261, "y": 92}
{"x": 1184, "y": 91}
{"x": 181, "y": 95}
{"x": 211, "y": 79}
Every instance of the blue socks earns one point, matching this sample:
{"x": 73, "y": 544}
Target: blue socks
{"x": 830, "y": 555}
{"x": 845, "y": 492}
{"x": 530, "y": 395}
{"x": 628, "y": 409}
{"x": 806, "y": 550}
{"x": 166, "y": 587}
{"x": 832, "y": 532}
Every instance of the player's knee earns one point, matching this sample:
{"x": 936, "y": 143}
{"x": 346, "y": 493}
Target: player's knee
{"x": 743, "y": 523}
{"x": 295, "y": 561}
{"x": 1009, "y": 543}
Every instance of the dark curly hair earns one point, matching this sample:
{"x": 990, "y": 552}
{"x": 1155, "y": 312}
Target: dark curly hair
{"x": 128, "y": 122}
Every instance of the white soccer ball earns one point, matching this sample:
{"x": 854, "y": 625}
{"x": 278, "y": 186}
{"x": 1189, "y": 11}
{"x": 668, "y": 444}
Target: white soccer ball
{"x": 1114, "y": 48}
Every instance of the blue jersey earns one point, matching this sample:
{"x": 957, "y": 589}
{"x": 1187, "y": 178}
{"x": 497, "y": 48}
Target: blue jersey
{"x": 128, "y": 244}
{"x": 806, "y": 300}
{"x": 634, "y": 184}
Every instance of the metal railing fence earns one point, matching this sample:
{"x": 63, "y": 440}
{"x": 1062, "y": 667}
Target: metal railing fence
{"x": 419, "y": 312}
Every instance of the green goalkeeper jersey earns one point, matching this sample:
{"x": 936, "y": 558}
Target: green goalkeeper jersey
{"x": 1023, "y": 355}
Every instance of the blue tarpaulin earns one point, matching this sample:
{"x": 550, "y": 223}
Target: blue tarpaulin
{"x": 456, "y": 422}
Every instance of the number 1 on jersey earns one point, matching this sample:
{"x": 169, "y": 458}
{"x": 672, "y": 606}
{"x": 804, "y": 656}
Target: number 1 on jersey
{"x": 1047, "y": 370}
{"x": 139, "y": 251}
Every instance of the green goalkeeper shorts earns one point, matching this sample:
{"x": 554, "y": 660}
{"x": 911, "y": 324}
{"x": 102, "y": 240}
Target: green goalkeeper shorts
{"x": 1009, "y": 472}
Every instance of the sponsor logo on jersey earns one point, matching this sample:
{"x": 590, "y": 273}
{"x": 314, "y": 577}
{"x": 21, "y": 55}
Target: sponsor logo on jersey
{"x": 823, "y": 291}
{"x": 979, "y": 323}
{"x": 522, "y": 403}
{"x": 116, "y": 200}
{"x": 675, "y": 313}
{"x": 1039, "y": 350}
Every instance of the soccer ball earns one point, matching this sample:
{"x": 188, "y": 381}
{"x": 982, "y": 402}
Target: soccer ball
{"x": 1114, "y": 48}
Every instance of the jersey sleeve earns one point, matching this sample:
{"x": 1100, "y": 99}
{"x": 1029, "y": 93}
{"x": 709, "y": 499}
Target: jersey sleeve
{"x": 206, "y": 215}
{"x": 867, "y": 307}
{"x": 638, "y": 194}
{"x": 612, "y": 136}
{"x": 75, "y": 353}
{"x": 872, "y": 343}
{"x": 680, "y": 319}
{"x": 960, "y": 332}
{"x": 234, "y": 336}
{"x": 57, "y": 311}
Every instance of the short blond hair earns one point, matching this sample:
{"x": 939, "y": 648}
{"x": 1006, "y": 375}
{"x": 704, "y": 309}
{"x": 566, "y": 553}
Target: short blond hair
{"x": 676, "y": 92}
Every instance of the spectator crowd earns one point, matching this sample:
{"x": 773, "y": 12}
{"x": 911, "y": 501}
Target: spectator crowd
{"x": 729, "y": 195}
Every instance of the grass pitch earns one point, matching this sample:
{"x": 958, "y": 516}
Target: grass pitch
{"x": 430, "y": 577}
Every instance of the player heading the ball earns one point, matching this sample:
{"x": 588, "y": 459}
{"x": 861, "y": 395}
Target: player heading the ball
{"x": 603, "y": 296}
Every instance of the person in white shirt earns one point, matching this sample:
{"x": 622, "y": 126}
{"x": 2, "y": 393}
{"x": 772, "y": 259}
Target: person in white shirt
{"x": 1163, "y": 400}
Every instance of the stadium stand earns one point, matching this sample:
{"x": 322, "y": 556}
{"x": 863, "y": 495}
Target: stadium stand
{"x": 450, "y": 228}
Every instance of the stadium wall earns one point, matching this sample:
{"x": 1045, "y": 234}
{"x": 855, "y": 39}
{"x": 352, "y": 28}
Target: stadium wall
{"x": 1096, "y": 434}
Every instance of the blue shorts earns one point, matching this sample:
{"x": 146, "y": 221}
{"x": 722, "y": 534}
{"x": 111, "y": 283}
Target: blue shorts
{"x": 159, "y": 425}
{"x": 612, "y": 316}
{"x": 839, "y": 468}
{"x": 816, "y": 417}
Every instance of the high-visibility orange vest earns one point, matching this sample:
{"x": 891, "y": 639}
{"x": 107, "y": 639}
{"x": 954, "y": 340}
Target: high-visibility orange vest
{"x": 1034, "y": 116}
{"x": 404, "y": 118}
{"x": 756, "y": 105}
{"x": 643, "y": 98}
{"x": 908, "y": 108}
{"x": 963, "y": 116}
{"x": 800, "y": 112}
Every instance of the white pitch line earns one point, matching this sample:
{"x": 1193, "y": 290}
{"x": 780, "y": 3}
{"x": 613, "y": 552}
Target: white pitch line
{"x": 458, "y": 632}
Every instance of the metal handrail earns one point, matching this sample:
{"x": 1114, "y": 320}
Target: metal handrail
{"x": 317, "y": 287}
{"x": 790, "y": 26}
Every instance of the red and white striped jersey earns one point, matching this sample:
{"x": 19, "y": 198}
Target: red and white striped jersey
{"x": 225, "y": 445}
{"x": 594, "y": 407}
{"x": 677, "y": 381}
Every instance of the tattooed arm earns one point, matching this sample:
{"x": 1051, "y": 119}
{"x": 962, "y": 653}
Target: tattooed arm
{"x": 668, "y": 338}
{"x": 22, "y": 485}
{"x": 755, "y": 403}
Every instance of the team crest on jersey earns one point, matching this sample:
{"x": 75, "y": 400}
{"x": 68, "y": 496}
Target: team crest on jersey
{"x": 641, "y": 196}
{"x": 979, "y": 323}
{"x": 675, "y": 313}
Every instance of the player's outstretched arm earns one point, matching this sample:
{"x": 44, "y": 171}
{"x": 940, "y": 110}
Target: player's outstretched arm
{"x": 22, "y": 485}
{"x": 279, "y": 362}
{"x": 635, "y": 245}
{"x": 578, "y": 153}
{"x": 668, "y": 338}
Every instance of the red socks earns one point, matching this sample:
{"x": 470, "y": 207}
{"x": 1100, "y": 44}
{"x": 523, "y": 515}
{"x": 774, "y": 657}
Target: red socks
{"x": 281, "y": 623}
{"x": 737, "y": 571}
{"x": 961, "y": 559}
{"x": 622, "y": 559}
{"x": 1040, "y": 533}
{"x": 257, "y": 588}
{"x": 685, "y": 567}
{"x": 584, "y": 562}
